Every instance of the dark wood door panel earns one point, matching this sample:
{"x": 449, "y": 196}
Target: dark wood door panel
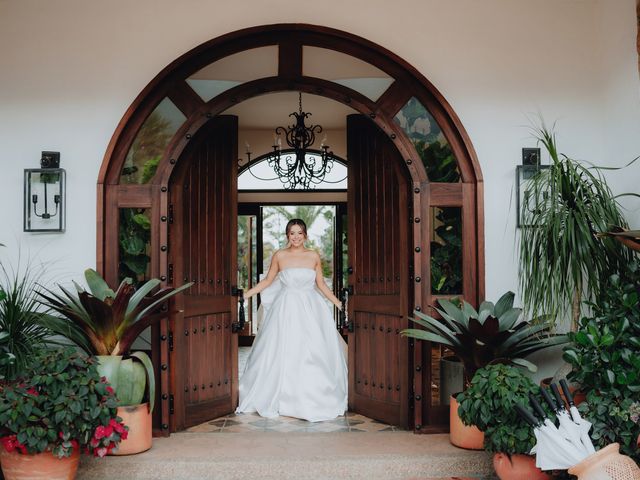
{"x": 203, "y": 251}
{"x": 379, "y": 258}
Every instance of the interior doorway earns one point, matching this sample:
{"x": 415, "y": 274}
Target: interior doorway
{"x": 161, "y": 146}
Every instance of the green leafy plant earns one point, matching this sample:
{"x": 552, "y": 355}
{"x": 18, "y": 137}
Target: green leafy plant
{"x": 493, "y": 334}
{"x": 25, "y": 326}
{"x": 60, "y": 404}
{"x": 134, "y": 238}
{"x": 110, "y": 321}
{"x": 446, "y": 254}
{"x": 562, "y": 259}
{"x": 605, "y": 356}
{"x": 489, "y": 403}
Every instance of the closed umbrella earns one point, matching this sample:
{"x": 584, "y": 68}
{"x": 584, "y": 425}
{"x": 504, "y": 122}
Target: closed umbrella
{"x": 583, "y": 424}
{"x": 566, "y": 426}
{"x": 552, "y": 450}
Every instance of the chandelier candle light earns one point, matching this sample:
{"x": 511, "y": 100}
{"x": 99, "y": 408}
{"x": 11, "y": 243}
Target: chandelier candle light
{"x": 296, "y": 167}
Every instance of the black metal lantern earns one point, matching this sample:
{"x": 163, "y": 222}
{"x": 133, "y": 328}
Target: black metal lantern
{"x": 297, "y": 167}
{"x": 525, "y": 198}
{"x": 44, "y": 195}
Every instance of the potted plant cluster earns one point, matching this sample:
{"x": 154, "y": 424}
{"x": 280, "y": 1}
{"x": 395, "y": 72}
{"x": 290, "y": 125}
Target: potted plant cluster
{"x": 488, "y": 402}
{"x": 106, "y": 324}
{"x": 58, "y": 407}
{"x": 605, "y": 356}
{"x": 493, "y": 333}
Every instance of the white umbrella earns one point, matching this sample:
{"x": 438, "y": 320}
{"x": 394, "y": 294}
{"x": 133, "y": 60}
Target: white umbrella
{"x": 583, "y": 424}
{"x": 552, "y": 450}
{"x": 567, "y": 428}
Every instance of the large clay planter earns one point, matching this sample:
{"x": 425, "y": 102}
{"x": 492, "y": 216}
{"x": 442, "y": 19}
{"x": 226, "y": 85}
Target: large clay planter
{"x": 139, "y": 439}
{"x": 45, "y": 466}
{"x": 460, "y": 434}
{"x": 605, "y": 464}
{"x": 517, "y": 467}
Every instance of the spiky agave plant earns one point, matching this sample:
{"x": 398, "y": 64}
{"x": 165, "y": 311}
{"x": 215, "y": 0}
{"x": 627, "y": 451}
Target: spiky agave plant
{"x": 492, "y": 334}
{"x": 110, "y": 321}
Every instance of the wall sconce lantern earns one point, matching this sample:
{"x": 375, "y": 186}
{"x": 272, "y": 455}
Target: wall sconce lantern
{"x": 525, "y": 172}
{"x": 44, "y": 195}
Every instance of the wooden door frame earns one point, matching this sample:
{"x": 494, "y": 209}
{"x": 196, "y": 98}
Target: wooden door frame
{"x": 290, "y": 38}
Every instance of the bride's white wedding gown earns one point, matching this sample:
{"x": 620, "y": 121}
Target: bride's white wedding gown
{"x": 297, "y": 366}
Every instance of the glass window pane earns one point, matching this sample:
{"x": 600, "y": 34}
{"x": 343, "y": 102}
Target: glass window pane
{"x": 233, "y": 70}
{"x": 134, "y": 243}
{"x": 346, "y": 70}
{"x": 248, "y": 263}
{"x": 446, "y": 250}
{"x": 430, "y": 142}
{"x": 151, "y": 142}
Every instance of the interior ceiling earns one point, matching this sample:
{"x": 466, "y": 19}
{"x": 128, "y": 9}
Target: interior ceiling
{"x": 272, "y": 110}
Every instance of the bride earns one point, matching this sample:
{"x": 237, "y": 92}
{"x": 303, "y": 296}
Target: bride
{"x": 297, "y": 365}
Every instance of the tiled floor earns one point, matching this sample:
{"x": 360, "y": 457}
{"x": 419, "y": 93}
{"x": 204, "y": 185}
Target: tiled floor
{"x": 252, "y": 422}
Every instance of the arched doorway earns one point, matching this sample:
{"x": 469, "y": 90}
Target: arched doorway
{"x": 409, "y": 113}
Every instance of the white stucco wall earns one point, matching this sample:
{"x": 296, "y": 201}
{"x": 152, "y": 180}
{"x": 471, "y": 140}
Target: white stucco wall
{"x": 69, "y": 69}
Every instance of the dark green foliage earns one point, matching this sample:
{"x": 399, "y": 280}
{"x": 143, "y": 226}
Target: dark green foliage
{"x": 134, "y": 238}
{"x": 562, "y": 259}
{"x": 489, "y": 402}
{"x": 494, "y": 333}
{"x": 58, "y": 401}
{"x": 605, "y": 356}
{"x": 439, "y": 161}
{"x": 446, "y": 257}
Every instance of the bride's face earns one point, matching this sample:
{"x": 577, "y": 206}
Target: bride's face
{"x": 296, "y": 236}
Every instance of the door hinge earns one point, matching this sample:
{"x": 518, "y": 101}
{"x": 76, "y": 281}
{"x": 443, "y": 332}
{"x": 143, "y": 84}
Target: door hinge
{"x": 171, "y": 405}
{"x": 170, "y": 273}
{"x": 170, "y": 341}
{"x": 170, "y": 213}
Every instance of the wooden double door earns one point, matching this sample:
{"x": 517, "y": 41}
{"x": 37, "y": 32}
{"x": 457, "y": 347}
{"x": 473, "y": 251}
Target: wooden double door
{"x": 203, "y": 345}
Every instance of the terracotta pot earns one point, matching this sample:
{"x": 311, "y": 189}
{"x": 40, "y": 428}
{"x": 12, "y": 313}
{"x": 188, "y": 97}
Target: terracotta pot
{"x": 517, "y": 467}
{"x": 460, "y": 434}
{"x": 45, "y": 466}
{"x": 139, "y": 439}
{"x": 607, "y": 463}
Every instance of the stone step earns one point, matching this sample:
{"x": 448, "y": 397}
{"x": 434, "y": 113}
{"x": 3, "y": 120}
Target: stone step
{"x": 282, "y": 456}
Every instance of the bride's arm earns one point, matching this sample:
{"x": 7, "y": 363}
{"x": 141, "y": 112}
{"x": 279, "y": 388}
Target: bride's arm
{"x": 322, "y": 286}
{"x": 271, "y": 275}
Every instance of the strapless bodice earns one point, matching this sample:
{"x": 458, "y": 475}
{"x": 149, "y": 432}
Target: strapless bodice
{"x": 298, "y": 278}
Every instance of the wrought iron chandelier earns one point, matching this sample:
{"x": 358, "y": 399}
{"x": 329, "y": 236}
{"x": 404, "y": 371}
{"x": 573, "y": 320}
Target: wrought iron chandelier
{"x": 299, "y": 167}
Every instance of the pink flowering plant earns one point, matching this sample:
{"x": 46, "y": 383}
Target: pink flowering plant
{"x": 60, "y": 404}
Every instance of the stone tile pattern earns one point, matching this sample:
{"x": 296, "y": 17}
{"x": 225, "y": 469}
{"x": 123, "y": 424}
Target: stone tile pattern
{"x": 252, "y": 422}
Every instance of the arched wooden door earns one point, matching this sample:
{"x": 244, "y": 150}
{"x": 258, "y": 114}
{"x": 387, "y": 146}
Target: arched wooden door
{"x": 202, "y": 244}
{"x": 378, "y": 216}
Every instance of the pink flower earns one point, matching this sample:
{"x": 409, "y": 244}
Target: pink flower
{"x": 100, "y": 452}
{"x": 110, "y": 390}
{"x": 99, "y": 433}
{"x": 33, "y": 391}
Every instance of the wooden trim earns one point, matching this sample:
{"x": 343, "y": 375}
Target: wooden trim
{"x": 289, "y": 59}
{"x": 185, "y": 98}
{"x": 394, "y": 98}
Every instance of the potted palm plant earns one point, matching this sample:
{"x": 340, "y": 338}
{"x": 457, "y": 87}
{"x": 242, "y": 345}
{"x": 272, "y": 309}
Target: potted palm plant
{"x": 57, "y": 407}
{"x": 109, "y": 322}
{"x": 563, "y": 255}
{"x": 493, "y": 333}
{"x": 489, "y": 402}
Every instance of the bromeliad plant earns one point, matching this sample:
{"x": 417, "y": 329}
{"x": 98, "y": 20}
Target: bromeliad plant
{"x": 493, "y": 334}
{"x": 60, "y": 404}
{"x": 109, "y": 322}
